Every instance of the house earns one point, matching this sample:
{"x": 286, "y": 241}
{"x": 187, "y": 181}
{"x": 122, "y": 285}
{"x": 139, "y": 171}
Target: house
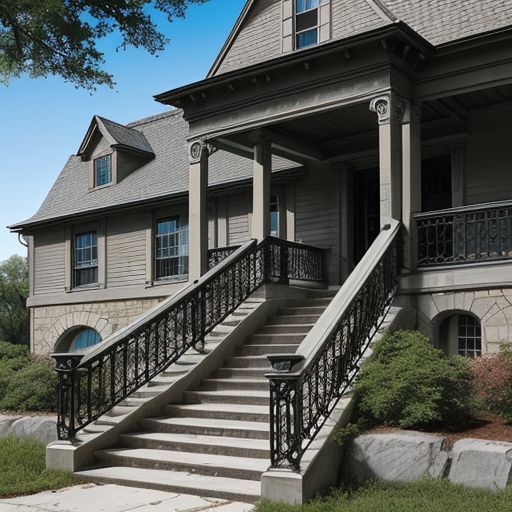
{"x": 371, "y": 139}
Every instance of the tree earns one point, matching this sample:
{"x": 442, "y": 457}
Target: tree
{"x": 13, "y": 298}
{"x": 59, "y": 37}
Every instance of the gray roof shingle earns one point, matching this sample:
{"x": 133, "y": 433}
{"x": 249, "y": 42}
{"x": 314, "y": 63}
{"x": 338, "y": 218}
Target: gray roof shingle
{"x": 126, "y": 135}
{"x": 163, "y": 176}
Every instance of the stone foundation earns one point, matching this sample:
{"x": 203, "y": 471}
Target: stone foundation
{"x": 492, "y": 307}
{"x": 50, "y": 323}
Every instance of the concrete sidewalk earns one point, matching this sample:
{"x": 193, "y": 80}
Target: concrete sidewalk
{"x": 114, "y": 498}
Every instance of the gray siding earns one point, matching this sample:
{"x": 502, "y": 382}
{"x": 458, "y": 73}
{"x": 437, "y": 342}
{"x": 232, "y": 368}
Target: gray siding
{"x": 488, "y": 158}
{"x": 317, "y": 213}
{"x": 239, "y": 206}
{"x": 126, "y": 250}
{"x": 49, "y": 261}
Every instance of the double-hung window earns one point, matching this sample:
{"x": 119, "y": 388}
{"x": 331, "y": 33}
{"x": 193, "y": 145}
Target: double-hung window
{"x": 85, "y": 262}
{"x": 274, "y": 216}
{"x": 171, "y": 248}
{"x": 307, "y": 22}
{"x": 469, "y": 337}
{"x": 103, "y": 170}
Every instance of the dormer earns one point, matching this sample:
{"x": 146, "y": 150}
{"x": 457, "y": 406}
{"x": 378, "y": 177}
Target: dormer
{"x": 114, "y": 151}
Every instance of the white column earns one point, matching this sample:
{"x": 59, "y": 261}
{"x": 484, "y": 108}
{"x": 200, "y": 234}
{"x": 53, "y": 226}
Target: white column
{"x": 411, "y": 180}
{"x": 262, "y": 170}
{"x": 198, "y": 216}
{"x": 389, "y": 110}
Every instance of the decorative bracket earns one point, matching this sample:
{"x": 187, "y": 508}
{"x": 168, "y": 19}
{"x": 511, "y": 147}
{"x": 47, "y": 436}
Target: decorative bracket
{"x": 198, "y": 149}
{"x": 388, "y": 107}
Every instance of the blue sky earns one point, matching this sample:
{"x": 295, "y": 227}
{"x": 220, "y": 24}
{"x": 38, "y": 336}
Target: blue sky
{"x": 43, "y": 121}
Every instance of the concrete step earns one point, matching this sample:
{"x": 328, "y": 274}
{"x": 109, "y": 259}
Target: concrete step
{"x": 244, "y": 373}
{"x": 203, "y": 463}
{"x": 220, "y": 411}
{"x": 176, "y": 481}
{"x": 208, "y": 427}
{"x": 270, "y": 348}
{"x": 285, "y": 329}
{"x": 293, "y": 319}
{"x": 227, "y": 397}
{"x": 248, "y": 362}
{"x": 302, "y": 310}
{"x": 219, "y": 445}
{"x": 232, "y": 383}
{"x": 262, "y": 339}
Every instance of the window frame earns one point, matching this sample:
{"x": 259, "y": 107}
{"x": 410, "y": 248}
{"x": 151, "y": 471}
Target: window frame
{"x": 95, "y": 162}
{"x": 476, "y": 337}
{"x": 76, "y": 268}
{"x": 316, "y": 27}
{"x": 181, "y": 221}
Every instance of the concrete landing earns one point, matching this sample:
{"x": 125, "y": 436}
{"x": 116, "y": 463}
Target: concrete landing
{"x": 116, "y": 498}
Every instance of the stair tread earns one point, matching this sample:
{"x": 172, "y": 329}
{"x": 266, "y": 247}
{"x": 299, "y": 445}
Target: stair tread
{"x": 192, "y": 482}
{"x": 233, "y": 392}
{"x": 197, "y": 459}
{"x": 213, "y": 423}
{"x": 235, "y": 408}
{"x": 235, "y": 380}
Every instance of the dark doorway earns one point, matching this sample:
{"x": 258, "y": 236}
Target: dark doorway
{"x": 436, "y": 183}
{"x": 366, "y": 210}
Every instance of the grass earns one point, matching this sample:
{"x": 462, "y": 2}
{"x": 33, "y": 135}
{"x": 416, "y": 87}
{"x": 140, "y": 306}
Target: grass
{"x": 23, "y": 471}
{"x": 422, "y": 496}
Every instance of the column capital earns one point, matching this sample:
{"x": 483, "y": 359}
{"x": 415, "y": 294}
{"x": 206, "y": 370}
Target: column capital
{"x": 412, "y": 111}
{"x": 199, "y": 148}
{"x": 260, "y": 136}
{"x": 388, "y": 107}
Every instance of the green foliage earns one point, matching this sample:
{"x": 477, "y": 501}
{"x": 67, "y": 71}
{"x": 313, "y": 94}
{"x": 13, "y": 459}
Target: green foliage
{"x": 409, "y": 383}
{"x": 11, "y": 351}
{"x": 13, "y": 293}
{"x": 23, "y": 469}
{"x": 59, "y": 37}
{"x": 423, "y": 496}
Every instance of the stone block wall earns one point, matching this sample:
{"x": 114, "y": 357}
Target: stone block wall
{"x": 492, "y": 307}
{"x": 50, "y": 323}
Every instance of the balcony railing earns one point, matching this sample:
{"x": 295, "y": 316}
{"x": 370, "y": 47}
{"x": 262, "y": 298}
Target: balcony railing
{"x": 90, "y": 384}
{"x": 467, "y": 234}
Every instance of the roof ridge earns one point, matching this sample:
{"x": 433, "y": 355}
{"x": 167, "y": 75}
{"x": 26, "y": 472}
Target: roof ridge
{"x": 382, "y": 10}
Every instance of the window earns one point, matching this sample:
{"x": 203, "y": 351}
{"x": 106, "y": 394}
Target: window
{"x": 83, "y": 339}
{"x": 469, "y": 337}
{"x": 85, "y": 259}
{"x": 103, "y": 170}
{"x": 306, "y": 22}
{"x": 171, "y": 248}
{"x": 274, "y": 216}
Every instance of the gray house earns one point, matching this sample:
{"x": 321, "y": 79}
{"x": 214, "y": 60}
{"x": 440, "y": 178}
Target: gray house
{"x": 341, "y": 156}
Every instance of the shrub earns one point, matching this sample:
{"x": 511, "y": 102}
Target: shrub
{"x": 12, "y": 351}
{"x": 492, "y": 382}
{"x": 31, "y": 388}
{"x": 409, "y": 383}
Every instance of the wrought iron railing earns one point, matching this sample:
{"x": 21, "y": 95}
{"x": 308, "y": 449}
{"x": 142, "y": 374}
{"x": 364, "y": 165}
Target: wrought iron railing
{"x": 91, "y": 384}
{"x": 306, "y": 386}
{"x": 466, "y": 234}
{"x": 215, "y": 256}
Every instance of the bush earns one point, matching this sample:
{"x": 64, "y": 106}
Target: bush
{"x": 492, "y": 382}
{"x": 12, "y": 351}
{"x": 409, "y": 383}
{"x": 31, "y": 388}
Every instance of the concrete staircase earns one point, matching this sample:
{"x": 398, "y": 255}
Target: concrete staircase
{"x": 216, "y": 442}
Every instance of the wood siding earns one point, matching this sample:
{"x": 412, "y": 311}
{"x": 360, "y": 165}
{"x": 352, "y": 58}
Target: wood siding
{"x": 317, "y": 213}
{"x": 49, "y": 261}
{"x": 126, "y": 250}
{"x": 239, "y": 206}
{"x": 488, "y": 158}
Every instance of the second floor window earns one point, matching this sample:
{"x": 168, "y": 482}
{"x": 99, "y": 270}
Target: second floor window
{"x": 86, "y": 259}
{"x": 307, "y": 21}
{"x": 171, "y": 248}
{"x": 103, "y": 170}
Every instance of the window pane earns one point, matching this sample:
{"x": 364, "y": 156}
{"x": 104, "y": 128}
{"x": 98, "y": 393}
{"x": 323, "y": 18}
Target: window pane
{"x": 308, "y": 38}
{"x": 86, "y": 259}
{"x": 171, "y": 248}
{"x": 85, "y": 338}
{"x": 469, "y": 336}
{"x": 306, "y": 5}
{"x": 103, "y": 167}
{"x": 307, "y": 20}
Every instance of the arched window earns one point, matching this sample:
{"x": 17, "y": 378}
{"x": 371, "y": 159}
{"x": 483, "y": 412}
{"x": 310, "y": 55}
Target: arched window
{"x": 84, "y": 338}
{"x": 469, "y": 338}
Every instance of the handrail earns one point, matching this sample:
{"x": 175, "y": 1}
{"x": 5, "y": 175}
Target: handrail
{"x": 91, "y": 383}
{"x": 466, "y": 234}
{"x": 306, "y": 386}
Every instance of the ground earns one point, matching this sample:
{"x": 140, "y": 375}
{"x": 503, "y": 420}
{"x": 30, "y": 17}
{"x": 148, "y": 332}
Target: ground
{"x": 114, "y": 498}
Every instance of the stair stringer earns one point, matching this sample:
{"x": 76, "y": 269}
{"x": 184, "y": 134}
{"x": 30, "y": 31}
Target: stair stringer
{"x": 105, "y": 432}
{"x": 321, "y": 462}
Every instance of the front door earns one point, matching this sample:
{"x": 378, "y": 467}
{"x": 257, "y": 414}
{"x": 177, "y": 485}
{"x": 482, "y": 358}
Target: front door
{"x": 366, "y": 210}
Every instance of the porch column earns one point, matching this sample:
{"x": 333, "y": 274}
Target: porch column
{"x": 262, "y": 170}
{"x": 198, "y": 218}
{"x": 411, "y": 180}
{"x": 389, "y": 111}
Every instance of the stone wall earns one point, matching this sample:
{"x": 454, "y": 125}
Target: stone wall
{"x": 50, "y": 323}
{"x": 492, "y": 307}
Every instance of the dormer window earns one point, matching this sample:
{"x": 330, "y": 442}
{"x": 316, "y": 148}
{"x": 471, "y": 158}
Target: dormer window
{"x": 103, "y": 170}
{"x": 307, "y": 23}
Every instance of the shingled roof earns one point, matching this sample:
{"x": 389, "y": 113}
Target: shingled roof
{"x": 164, "y": 176}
